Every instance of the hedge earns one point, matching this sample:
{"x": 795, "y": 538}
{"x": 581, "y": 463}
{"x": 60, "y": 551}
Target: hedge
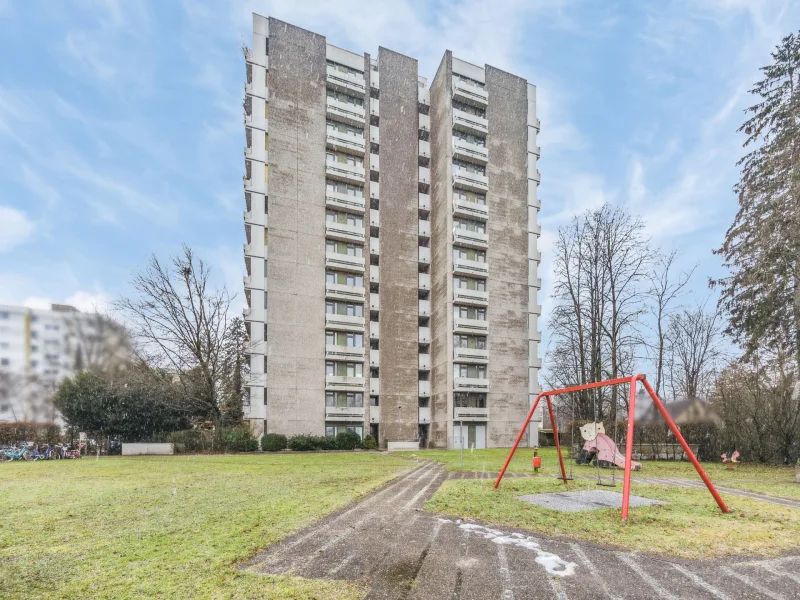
{"x": 274, "y": 442}
{"x": 224, "y": 439}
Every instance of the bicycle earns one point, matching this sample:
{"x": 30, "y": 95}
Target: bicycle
{"x": 22, "y": 453}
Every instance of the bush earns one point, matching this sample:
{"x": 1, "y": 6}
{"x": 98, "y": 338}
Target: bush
{"x": 189, "y": 441}
{"x": 347, "y": 440}
{"x": 305, "y": 443}
{"x": 369, "y": 443}
{"x": 233, "y": 439}
{"x": 273, "y": 442}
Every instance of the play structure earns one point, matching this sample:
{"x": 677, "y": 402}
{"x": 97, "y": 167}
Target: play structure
{"x": 608, "y": 448}
{"x": 601, "y": 448}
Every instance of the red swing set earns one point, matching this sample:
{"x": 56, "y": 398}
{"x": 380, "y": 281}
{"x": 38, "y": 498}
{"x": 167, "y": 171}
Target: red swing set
{"x": 626, "y": 487}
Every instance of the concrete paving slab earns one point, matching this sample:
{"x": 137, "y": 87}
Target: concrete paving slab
{"x": 586, "y": 500}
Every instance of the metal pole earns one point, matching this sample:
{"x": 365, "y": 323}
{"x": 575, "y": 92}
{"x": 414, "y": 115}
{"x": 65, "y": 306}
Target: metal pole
{"x": 626, "y": 484}
{"x": 519, "y": 437}
{"x": 461, "y": 437}
{"x": 555, "y": 437}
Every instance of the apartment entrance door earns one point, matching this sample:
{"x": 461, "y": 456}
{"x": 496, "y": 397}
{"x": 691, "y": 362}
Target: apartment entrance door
{"x": 472, "y": 435}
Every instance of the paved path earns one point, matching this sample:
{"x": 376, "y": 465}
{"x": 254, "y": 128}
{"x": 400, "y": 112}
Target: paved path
{"x": 402, "y": 552}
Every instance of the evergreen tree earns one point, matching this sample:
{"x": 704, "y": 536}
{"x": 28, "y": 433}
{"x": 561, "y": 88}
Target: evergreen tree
{"x": 762, "y": 246}
{"x": 235, "y": 373}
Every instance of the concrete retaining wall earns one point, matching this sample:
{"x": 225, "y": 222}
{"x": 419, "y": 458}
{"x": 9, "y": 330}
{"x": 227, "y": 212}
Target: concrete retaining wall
{"x": 138, "y": 449}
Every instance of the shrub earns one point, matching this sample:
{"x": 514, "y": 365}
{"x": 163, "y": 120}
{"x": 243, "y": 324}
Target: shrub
{"x": 304, "y": 443}
{"x": 273, "y": 442}
{"x": 347, "y": 440}
{"x": 235, "y": 439}
{"x": 369, "y": 443}
{"x": 328, "y": 443}
{"x": 189, "y": 441}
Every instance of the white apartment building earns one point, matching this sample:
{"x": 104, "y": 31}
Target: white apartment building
{"x": 391, "y": 244}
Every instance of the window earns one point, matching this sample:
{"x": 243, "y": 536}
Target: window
{"x": 473, "y": 197}
{"x": 345, "y": 188}
{"x": 469, "y": 81}
{"x": 334, "y": 126}
{"x": 344, "y": 98}
{"x": 469, "y": 254}
{"x": 332, "y": 430}
{"x": 344, "y": 69}
{"x": 343, "y": 218}
{"x": 345, "y": 159}
{"x": 342, "y": 278}
{"x": 469, "y": 400}
{"x": 4, "y": 362}
{"x": 468, "y": 108}
{"x": 469, "y": 138}
{"x": 347, "y": 339}
{"x": 4, "y": 315}
{"x": 471, "y": 312}
{"x": 343, "y": 248}
{"x": 461, "y": 165}
{"x": 350, "y": 309}
{"x": 474, "y": 342}
{"x": 344, "y": 399}
{"x": 469, "y": 283}
{"x": 469, "y": 371}
{"x": 34, "y": 348}
{"x": 469, "y": 225}
{"x": 343, "y": 369}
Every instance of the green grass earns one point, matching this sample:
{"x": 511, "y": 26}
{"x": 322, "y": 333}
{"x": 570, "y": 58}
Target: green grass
{"x": 171, "y": 527}
{"x": 771, "y": 480}
{"x": 690, "y": 526}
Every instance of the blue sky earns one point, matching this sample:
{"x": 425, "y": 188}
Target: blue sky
{"x": 121, "y": 128}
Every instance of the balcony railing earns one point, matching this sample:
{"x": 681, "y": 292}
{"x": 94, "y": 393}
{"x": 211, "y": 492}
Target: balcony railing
{"x": 470, "y": 383}
{"x": 424, "y": 414}
{"x": 344, "y": 413}
{"x": 344, "y": 322}
{"x": 470, "y": 123}
{"x": 344, "y": 201}
{"x": 337, "y": 291}
{"x": 471, "y": 94}
{"x": 424, "y": 281}
{"x": 374, "y": 302}
{"x": 374, "y": 358}
{"x": 424, "y": 362}
{"x": 473, "y": 239}
{"x": 374, "y": 414}
{"x": 424, "y": 228}
{"x": 465, "y": 296}
{"x": 344, "y": 111}
{"x": 424, "y": 202}
{"x": 343, "y": 352}
{"x": 345, "y": 82}
{"x": 470, "y": 325}
{"x": 424, "y": 255}
{"x": 469, "y": 151}
{"x": 374, "y": 386}
{"x": 344, "y": 262}
{"x": 463, "y": 266}
{"x": 470, "y": 414}
{"x": 345, "y": 141}
{"x": 352, "y": 384}
{"x": 470, "y": 181}
{"x": 424, "y": 308}
{"x": 424, "y": 389}
{"x": 470, "y": 354}
{"x": 344, "y": 231}
{"x": 424, "y": 335}
{"x": 470, "y": 209}
{"x": 344, "y": 172}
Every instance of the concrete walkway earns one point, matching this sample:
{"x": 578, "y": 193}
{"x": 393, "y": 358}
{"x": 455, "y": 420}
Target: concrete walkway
{"x": 389, "y": 542}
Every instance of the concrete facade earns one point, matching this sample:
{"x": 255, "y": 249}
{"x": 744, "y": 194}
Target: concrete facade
{"x": 391, "y": 252}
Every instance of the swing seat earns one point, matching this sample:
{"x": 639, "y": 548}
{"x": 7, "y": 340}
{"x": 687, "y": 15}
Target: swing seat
{"x": 607, "y": 454}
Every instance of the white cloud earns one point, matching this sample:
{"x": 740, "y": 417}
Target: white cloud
{"x": 88, "y": 302}
{"x": 37, "y": 302}
{"x": 15, "y": 228}
{"x": 39, "y": 186}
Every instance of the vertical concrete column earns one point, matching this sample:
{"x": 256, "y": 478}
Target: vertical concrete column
{"x": 296, "y": 314}
{"x": 442, "y": 254}
{"x": 507, "y": 255}
{"x": 399, "y": 253}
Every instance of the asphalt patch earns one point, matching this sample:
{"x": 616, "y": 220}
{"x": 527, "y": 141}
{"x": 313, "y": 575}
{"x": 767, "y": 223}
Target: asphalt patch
{"x": 586, "y": 500}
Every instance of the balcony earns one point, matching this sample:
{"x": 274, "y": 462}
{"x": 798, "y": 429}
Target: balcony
{"x": 344, "y": 413}
{"x": 351, "y": 83}
{"x": 374, "y": 190}
{"x": 425, "y": 175}
{"x": 470, "y": 326}
{"x": 470, "y": 123}
{"x": 344, "y": 322}
{"x": 344, "y": 172}
{"x": 343, "y": 353}
{"x": 472, "y": 239}
{"x": 471, "y": 94}
{"x": 470, "y": 414}
{"x": 374, "y": 218}
{"x": 374, "y": 330}
{"x": 346, "y": 384}
{"x": 374, "y": 358}
{"x": 469, "y": 384}
{"x": 465, "y": 296}
{"x": 424, "y": 149}
{"x": 374, "y": 386}
{"x": 337, "y": 291}
{"x": 425, "y": 122}
{"x": 424, "y": 362}
{"x": 374, "y": 302}
{"x": 469, "y": 151}
{"x": 374, "y": 246}
{"x": 470, "y": 181}
{"x": 374, "y": 414}
{"x": 374, "y": 107}
{"x": 353, "y": 204}
{"x": 374, "y": 163}
{"x": 472, "y": 355}
{"x": 473, "y": 210}
{"x": 424, "y": 389}
{"x": 374, "y": 274}
{"x": 345, "y": 112}
{"x": 424, "y": 335}
{"x": 424, "y": 96}
{"x": 424, "y": 414}
{"x": 337, "y": 140}
{"x": 424, "y": 202}
{"x": 374, "y": 80}
{"x": 344, "y": 262}
{"x": 424, "y": 308}
{"x": 462, "y": 266}
{"x": 424, "y": 228}
{"x": 344, "y": 232}
{"x": 424, "y": 281}
{"x": 424, "y": 255}
{"x": 374, "y": 134}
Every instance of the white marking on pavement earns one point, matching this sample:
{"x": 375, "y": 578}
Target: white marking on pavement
{"x": 776, "y": 571}
{"x": 341, "y": 565}
{"x": 420, "y": 493}
{"x": 749, "y": 582}
{"x": 657, "y": 588}
{"x": 590, "y": 565}
{"x": 505, "y": 574}
{"x": 700, "y": 582}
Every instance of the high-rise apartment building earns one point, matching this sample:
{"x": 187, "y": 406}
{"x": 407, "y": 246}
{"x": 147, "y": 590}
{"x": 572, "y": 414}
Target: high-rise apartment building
{"x": 391, "y": 249}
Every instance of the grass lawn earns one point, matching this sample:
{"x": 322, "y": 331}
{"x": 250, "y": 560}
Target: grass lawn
{"x": 771, "y": 480}
{"x": 690, "y": 526}
{"x": 170, "y": 527}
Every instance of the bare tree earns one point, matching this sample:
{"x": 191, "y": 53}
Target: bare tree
{"x": 663, "y": 291}
{"x": 179, "y": 324}
{"x": 98, "y": 343}
{"x": 693, "y": 339}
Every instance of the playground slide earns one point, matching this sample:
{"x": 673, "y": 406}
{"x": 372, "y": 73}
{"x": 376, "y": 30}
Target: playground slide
{"x": 607, "y": 451}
